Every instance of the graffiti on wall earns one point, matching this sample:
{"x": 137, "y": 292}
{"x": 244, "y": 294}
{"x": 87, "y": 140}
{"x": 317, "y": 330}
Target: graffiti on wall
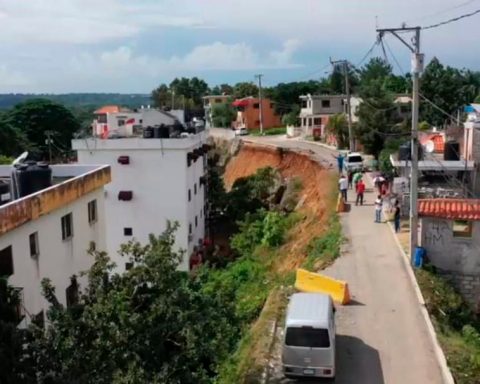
{"x": 437, "y": 233}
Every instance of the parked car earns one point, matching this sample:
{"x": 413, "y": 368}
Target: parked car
{"x": 353, "y": 162}
{"x": 309, "y": 344}
{"x": 241, "y": 131}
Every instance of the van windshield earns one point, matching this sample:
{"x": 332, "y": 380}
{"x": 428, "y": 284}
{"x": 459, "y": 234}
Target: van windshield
{"x": 307, "y": 337}
{"x": 355, "y": 159}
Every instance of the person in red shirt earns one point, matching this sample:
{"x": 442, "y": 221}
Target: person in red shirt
{"x": 360, "y": 192}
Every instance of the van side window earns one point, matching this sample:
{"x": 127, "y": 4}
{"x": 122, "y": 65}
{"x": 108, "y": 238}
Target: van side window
{"x": 307, "y": 337}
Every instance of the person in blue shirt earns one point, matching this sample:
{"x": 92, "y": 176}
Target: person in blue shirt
{"x": 340, "y": 158}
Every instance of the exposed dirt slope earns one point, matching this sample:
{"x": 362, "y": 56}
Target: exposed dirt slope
{"x": 318, "y": 186}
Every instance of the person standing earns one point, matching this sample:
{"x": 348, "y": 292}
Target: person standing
{"x": 396, "y": 216}
{"x": 340, "y": 159}
{"x": 378, "y": 209}
{"x": 343, "y": 186}
{"x": 350, "y": 179}
{"x": 360, "y": 192}
{"x": 356, "y": 178}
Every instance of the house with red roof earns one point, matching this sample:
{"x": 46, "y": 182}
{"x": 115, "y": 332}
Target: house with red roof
{"x": 450, "y": 233}
{"x": 248, "y": 114}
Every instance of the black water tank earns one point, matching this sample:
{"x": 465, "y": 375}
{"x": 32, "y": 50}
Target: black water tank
{"x": 405, "y": 152}
{"x": 4, "y": 192}
{"x": 31, "y": 177}
{"x": 452, "y": 151}
{"x": 148, "y": 132}
{"x": 164, "y": 131}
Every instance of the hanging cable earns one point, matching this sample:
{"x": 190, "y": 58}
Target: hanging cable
{"x": 368, "y": 53}
{"x": 394, "y": 58}
{"x": 452, "y": 20}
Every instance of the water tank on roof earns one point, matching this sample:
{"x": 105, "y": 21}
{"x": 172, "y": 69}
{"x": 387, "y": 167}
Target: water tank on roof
{"x": 452, "y": 151}
{"x": 148, "y": 132}
{"x": 161, "y": 132}
{"x": 4, "y": 192}
{"x": 30, "y": 177}
{"x": 405, "y": 152}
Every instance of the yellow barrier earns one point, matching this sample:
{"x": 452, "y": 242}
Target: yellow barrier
{"x": 313, "y": 282}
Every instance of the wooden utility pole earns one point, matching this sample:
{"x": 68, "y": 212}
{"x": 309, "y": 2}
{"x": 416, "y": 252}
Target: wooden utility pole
{"x": 417, "y": 68}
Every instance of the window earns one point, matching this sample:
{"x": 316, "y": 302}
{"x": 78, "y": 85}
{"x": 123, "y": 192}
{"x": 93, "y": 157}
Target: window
{"x": 67, "y": 227}
{"x": 271, "y": 105}
{"x": 196, "y": 221}
{"x": 190, "y": 228}
{"x": 462, "y": 228}
{"x": 102, "y": 119}
{"x": 121, "y": 123}
{"x": 325, "y": 103}
{"x": 127, "y": 231}
{"x": 257, "y": 123}
{"x": 195, "y": 188}
{"x": 307, "y": 337}
{"x": 6, "y": 261}
{"x": 72, "y": 292}
{"x": 92, "y": 211}
{"x": 189, "y": 195}
{"x": 256, "y": 105}
{"x": 317, "y": 121}
{"x": 34, "y": 249}
{"x": 217, "y": 101}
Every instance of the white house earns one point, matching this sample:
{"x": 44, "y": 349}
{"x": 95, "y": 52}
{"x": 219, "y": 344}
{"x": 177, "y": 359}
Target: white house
{"x": 47, "y": 234}
{"x": 153, "y": 180}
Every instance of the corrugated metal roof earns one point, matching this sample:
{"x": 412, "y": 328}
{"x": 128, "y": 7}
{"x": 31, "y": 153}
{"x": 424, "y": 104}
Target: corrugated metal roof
{"x": 455, "y": 209}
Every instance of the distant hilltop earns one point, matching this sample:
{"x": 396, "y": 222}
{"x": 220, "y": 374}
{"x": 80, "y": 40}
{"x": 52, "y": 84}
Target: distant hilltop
{"x": 79, "y": 99}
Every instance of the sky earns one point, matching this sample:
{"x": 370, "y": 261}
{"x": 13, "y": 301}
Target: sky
{"x": 59, "y": 46}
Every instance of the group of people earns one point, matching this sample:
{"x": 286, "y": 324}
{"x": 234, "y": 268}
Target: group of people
{"x": 347, "y": 182}
{"x": 356, "y": 180}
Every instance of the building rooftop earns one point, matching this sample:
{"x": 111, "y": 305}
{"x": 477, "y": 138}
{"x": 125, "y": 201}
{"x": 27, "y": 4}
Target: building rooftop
{"x": 111, "y": 109}
{"x": 323, "y": 96}
{"x": 78, "y": 180}
{"x": 435, "y": 164}
{"x": 454, "y": 209}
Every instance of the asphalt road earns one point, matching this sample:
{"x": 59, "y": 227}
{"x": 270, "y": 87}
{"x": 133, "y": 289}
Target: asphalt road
{"x": 382, "y": 336}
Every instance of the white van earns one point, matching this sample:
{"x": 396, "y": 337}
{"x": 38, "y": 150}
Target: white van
{"x": 309, "y": 341}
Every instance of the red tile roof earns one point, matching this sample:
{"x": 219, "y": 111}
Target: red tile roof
{"x": 455, "y": 209}
{"x": 108, "y": 109}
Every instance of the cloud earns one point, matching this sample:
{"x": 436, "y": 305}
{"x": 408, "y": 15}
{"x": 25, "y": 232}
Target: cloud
{"x": 83, "y": 21}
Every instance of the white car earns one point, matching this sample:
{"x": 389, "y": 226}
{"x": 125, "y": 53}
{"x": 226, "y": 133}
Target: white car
{"x": 353, "y": 162}
{"x": 241, "y": 131}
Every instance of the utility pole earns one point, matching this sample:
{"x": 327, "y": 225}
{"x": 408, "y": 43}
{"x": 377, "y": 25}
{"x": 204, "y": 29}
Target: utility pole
{"x": 173, "y": 100}
{"x": 417, "y": 68}
{"x": 48, "y": 141}
{"x": 344, "y": 64}
{"x": 260, "y": 111}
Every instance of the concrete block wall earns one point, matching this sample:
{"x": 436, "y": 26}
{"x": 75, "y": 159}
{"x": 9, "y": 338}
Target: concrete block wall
{"x": 468, "y": 286}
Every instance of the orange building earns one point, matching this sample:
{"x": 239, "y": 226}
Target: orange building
{"x": 248, "y": 114}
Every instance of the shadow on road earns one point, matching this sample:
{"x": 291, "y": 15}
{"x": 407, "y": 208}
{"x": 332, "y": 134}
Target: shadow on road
{"x": 357, "y": 363}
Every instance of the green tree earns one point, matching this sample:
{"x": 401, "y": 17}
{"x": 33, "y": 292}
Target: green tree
{"x": 15, "y": 364}
{"x": 161, "y": 96}
{"x": 222, "y": 89}
{"x": 338, "y": 126}
{"x": 245, "y": 89}
{"x": 378, "y": 118}
{"x": 445, "y": 86}
{"x": 292, "y": 118}
{"x": 151, "y": 324}
{"x": 35, "y": 117}
{"x": 223, "y": 114}
{"x": 287, "y": 95}
{"x": 12, "y": 140}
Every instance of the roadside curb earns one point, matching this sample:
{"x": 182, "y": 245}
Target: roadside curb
{"x": 437, "y": 349}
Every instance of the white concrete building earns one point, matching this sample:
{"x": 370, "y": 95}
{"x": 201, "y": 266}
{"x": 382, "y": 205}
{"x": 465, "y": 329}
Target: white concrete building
{"x": 153, "y": 180}
{"x": 47, "y": 234}
{"x": 112, "y": 120}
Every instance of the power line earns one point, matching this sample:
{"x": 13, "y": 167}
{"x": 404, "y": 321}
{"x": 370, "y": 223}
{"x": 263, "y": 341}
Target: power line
{"x": 443, "y": 11}
{"x": 452, "y": 20}
{"x": 394, "y": 58}
{"x": 438, "y": 108}
{"x": 368, "y": 53}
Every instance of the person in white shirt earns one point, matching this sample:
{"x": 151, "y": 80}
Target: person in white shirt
{"x": 378, "y": 209}
{"x": 343, "y": 186}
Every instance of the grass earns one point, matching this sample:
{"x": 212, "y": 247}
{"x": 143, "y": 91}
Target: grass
{"x": 456, "y": 325}
{"x": 269, "y": 131}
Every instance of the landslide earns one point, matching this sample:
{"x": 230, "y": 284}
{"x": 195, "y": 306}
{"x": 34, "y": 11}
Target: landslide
{"x": 317, "y": 197}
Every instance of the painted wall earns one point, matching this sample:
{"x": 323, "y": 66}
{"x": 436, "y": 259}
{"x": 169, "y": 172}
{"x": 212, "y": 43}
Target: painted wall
{"x": 160, "y": 180}
{"x": 58, "y": 259}
{"x": 250, "y": 116}
{"x": 449, "y": 253}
